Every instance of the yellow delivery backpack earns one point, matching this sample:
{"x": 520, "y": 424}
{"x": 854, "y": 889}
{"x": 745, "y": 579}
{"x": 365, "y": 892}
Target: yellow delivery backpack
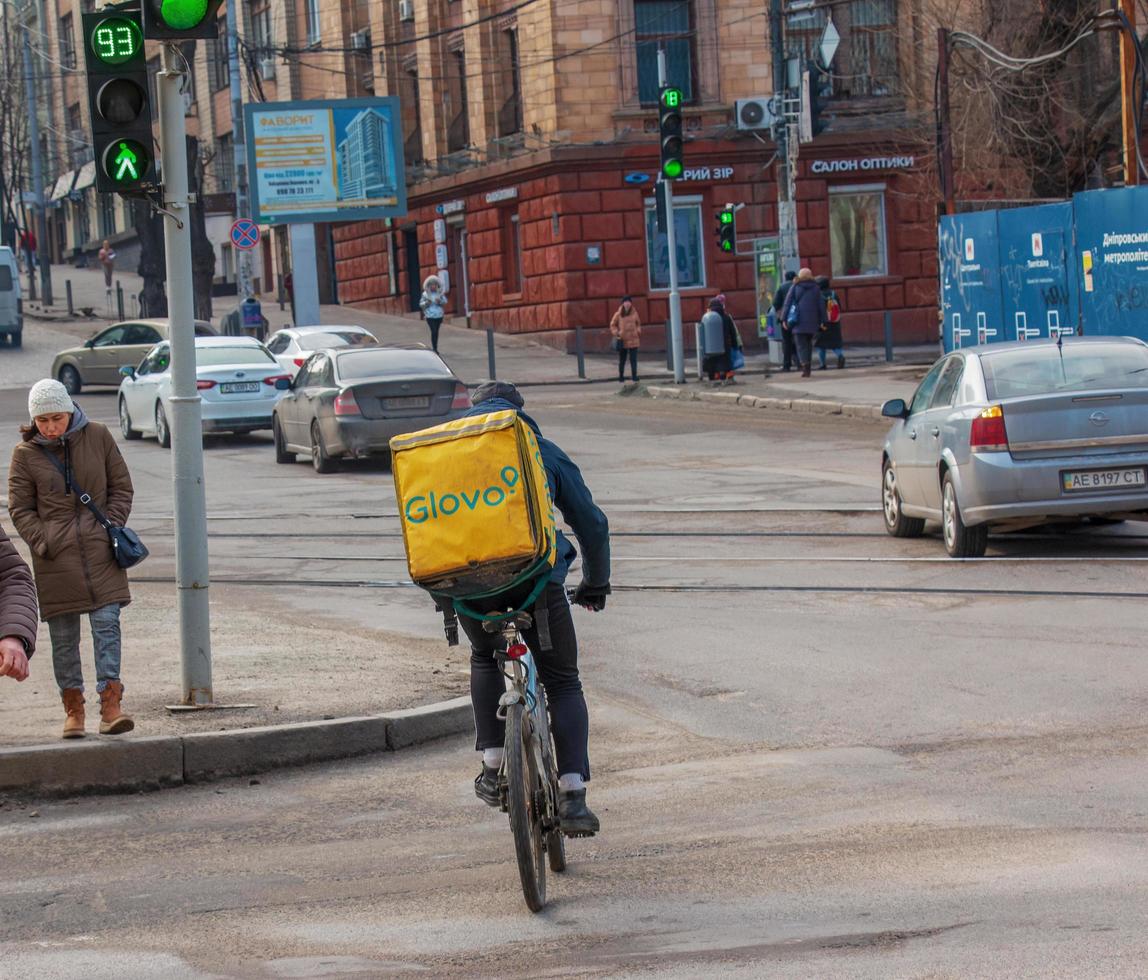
{"x": 475, "y": 508}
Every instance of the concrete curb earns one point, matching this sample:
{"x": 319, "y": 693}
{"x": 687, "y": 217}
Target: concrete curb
{"x": 813, "y": 406}
{"x": 159, "y": 761}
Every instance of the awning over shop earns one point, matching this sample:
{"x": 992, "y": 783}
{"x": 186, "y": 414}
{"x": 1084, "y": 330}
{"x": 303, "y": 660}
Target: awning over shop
{"x": 86, "y": 177}
{"x": 63, "y": 186}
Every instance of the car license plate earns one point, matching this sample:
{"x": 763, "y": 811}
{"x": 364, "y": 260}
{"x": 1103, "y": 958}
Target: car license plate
{"x": 1083, "y": 481}
{"x": 239, "y": 388}
{"x": 408, "y": 401}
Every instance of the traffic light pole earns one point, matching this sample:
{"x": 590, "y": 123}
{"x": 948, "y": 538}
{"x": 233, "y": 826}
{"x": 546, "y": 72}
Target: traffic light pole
{"x": 42, "y": 251}
{"x": 242, "y": 209}
{"x": 786, "y": 147}
{"x": 192, "y": 573}
{"x": 671, "y": 245}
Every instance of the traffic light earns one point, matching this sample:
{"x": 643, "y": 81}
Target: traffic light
{"x": 121, "y": 110}
{"x": 670, "y": 129}
{"x": 726, "y": 230}
{"x": 180, "y": 20}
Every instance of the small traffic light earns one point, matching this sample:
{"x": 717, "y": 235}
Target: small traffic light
{"x": 180, "y": 20}
{"x": 726, "y": 230}
{"x": 118, "y": 98}
{"x": 670, "y": 130}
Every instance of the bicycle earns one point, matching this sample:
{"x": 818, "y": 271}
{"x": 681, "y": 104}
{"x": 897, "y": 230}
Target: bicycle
{"x": 528, "y": 779}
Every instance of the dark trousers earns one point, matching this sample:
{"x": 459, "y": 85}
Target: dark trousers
{"x": 788, "y": 350}
{"x": 804, "y": 343}
{"x": 434, "y": 322}
{"x": 632, "y": 352}
{"x": 557, "y": 669}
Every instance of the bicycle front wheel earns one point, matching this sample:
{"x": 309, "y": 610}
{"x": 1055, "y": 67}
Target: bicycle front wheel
{"x": 524, "y": 794}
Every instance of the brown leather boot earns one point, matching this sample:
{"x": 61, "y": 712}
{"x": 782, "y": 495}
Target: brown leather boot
{"x": 112, "y": 720}
{"x": 73, "y": 699}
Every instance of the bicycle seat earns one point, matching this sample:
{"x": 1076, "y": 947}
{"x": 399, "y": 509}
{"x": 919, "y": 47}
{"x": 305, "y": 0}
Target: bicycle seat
{"x": 523, "y": 621}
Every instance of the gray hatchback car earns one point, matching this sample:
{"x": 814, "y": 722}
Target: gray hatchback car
{"x": 1015, "y": 435}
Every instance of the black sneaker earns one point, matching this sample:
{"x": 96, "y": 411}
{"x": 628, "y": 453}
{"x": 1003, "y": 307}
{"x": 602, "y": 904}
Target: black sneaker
{"x": 486, "y": 786}
{"x": 575, "y": 818}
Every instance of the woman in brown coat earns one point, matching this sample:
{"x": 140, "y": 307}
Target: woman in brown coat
{"x": 75, "y": 570}
{"x": 626, "y": 328}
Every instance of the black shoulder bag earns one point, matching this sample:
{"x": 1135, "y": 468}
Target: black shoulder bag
{"x": 127, "y": 548}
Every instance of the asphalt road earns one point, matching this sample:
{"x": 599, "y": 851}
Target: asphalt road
{"x": 817, "y": 751}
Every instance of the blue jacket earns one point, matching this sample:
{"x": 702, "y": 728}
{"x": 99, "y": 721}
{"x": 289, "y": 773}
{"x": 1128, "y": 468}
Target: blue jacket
{"x": 573, "y": 499}
{"x": 806, "y": 296}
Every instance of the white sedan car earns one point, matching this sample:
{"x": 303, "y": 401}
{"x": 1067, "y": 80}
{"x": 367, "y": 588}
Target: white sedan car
{"x": 238, "y": 380}
{"x": 293, "y": 345}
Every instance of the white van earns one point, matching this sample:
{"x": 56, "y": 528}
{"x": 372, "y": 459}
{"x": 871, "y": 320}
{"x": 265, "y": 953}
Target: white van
{"x": 11, "y": 305}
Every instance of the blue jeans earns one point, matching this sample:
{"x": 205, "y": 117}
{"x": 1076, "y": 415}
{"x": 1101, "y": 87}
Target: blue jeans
{"x": 821, "y": 352}
{"x": 65, "y": 633}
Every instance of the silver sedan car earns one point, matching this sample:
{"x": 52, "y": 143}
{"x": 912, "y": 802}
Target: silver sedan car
{"x": 1011, "y": 436}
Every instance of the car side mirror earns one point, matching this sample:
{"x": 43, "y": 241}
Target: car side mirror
{"x": 128, "y": 371}
{"x": 90, "y": 343}
{"x": 895, "y": 409}
{"x": 282, "y": 384}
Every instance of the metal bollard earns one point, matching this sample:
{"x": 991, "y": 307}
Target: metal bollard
{"x": 888, "y": 337}
{"x": 580, "y": 351}
{"x": 490, "y": 353}
{"x": 669, "y": 347}
{"x": 282, "y": 294}
{"x": 68, "y": 290}
{"x": 120, "y": 298}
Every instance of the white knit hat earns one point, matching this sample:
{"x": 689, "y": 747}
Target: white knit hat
{"x": 48, "y": 397}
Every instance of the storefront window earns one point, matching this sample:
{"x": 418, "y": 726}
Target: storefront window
{"x": 857, "y": 231}
{"x": 688, "y": 241}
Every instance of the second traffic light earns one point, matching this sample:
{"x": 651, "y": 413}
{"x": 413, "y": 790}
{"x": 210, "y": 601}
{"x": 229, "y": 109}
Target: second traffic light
{"x": 179, "y": 20}
{"x": 119, "y": 102}
{"x": 670, "y": 131}
{"x": 726, "y": 230}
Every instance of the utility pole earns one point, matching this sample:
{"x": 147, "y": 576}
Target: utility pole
{"x": 37, "y": 175}
{"x": 944, "y": 132}
{"x": 1128, "y": 109}
{"x": 786, "y": 140}
{"x": 192, "y": 572}
{"x": 242, "y": 209}
{"x": 671, "y": 245}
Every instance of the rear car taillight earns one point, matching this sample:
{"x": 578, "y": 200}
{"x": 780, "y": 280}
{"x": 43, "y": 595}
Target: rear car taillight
{"x": 203, "y": 384}
{"x": 345, "y": 403}
{"x": 300, "y": 361}
{"x": 461, "y": 398}
{"x": 987, "y": 433}
{"x": 276, "y": 378}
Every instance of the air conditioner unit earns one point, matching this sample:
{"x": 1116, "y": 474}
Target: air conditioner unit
{"x": 361, "y": 40}
{"x": 267, "y": 69}
{"x": 406, "y": 9}
{"x": 755, "y": 114}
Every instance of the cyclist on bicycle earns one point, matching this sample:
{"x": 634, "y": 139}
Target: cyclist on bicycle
{"x": 558, "y": 665}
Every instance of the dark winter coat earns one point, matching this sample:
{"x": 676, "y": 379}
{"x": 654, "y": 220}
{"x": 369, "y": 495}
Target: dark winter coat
{"x": 17, "y": 596}
{"x": 830, "y": 336}
{"x": 806, "y": 296}
{"x": 71, "y": 555}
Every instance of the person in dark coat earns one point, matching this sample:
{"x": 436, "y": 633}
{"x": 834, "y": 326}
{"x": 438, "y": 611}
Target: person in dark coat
{"x": 17, "y": 612}
{"x": 788, "y": 350}
{"x": 75, "y": 570}
{"x": 829, "y": 338}
{"x": 805, "y": 298}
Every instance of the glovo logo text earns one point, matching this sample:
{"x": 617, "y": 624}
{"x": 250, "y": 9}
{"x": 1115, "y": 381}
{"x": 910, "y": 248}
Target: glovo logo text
{"x": 434, "y": 506}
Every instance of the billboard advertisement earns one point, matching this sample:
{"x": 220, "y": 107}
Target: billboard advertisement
{"x": 325, "y": 160}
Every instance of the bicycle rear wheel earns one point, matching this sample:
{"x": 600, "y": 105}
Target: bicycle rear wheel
{"x": 524, "y": 793}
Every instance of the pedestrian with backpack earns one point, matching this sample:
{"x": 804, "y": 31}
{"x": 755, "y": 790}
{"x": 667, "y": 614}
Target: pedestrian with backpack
{"x": 804, "y": 312}
{"x": 829, "y": 337}
{"x": 476, "y": 497}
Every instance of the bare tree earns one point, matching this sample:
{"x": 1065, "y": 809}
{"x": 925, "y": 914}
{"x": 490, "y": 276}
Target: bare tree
{"x": 14, "y": 146}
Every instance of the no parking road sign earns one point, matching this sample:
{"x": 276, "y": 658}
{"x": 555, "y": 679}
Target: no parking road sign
{"x": 245, "y": 234}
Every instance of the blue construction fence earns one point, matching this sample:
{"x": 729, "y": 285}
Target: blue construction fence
{"x": 1074, "y": 267}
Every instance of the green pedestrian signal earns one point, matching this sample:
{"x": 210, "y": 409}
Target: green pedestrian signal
{"x": 178, "y": 20}
{"x": 119, "y": 99}
{"x": 670, "y": 131}
{"x": 726, "y": 231}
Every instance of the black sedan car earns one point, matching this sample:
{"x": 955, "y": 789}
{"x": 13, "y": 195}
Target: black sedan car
{"x": 347, "y": 403}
